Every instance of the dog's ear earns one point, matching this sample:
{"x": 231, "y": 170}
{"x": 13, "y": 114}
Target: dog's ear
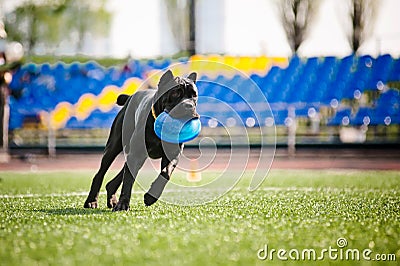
{"x": 193, "y": 77}
{"x": 167, "y": 82}
{"x": 165, "y": 79}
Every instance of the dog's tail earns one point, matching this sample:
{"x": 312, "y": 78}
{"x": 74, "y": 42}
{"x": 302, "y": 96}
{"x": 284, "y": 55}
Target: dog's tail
{"x": 121, "y": 100}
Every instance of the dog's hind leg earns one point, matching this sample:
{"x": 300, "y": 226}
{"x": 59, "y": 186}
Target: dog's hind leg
{"x": 112, "y": 188}
{"x": 129, "y": 176}
{"x": 111, "y": 151}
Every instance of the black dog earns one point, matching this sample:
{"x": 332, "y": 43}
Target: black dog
{"x": 175, "y": 95}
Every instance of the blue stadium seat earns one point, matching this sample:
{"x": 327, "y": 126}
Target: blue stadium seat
{"x": 362, "y": 117}
{"x": 91, "y": 65}
{"x": 395, "y": 73}
{"x": 341, "y": 117}
{"x": 46, "y": 69}
{"x": 74, "y": 123}
{"x": 258, "y": 79}
{"x": 280, "y": 116}
{"x": 382, "y": 70}
{"x": 75, "y": 69}
{"x": 294, "y": 63}
{"x": 98, "y": 119}
{"x": 388, "y": 104}
{"x": 305, "y": 111}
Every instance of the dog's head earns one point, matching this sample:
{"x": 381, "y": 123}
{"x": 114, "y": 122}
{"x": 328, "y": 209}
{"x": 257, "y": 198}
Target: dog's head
{"x": 177, "y": 96}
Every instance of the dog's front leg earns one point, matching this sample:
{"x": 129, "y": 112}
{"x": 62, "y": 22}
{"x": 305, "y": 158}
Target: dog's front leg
{"x": 157, "y": 187}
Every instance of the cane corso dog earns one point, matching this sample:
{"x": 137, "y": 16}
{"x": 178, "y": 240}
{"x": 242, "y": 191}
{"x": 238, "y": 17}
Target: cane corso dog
{"x": 174, "y": 95}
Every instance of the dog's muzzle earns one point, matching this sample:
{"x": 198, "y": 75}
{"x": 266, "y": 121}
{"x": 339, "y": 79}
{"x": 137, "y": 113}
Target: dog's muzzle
{"x": 184, "y": 110}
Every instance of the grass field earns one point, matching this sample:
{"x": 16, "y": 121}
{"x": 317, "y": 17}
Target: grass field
{"x": 43, "y": 223}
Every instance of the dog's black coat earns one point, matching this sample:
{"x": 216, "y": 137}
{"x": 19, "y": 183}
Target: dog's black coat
{"x": 177, "y": 96}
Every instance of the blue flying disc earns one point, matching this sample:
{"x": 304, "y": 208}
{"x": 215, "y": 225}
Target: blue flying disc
{"x": 174, "y": 130}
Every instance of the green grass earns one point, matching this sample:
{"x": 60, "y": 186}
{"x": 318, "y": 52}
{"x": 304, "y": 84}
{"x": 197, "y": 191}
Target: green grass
{"x": 291, "y": 210}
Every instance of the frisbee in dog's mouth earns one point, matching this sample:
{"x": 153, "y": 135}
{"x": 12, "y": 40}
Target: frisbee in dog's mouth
{"x": 174, "y": 130}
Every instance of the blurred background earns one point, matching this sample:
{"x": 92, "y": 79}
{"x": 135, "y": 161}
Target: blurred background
{"x": 330, "y": 69}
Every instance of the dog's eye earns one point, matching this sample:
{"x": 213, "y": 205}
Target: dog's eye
{"x": 176, "y": 93}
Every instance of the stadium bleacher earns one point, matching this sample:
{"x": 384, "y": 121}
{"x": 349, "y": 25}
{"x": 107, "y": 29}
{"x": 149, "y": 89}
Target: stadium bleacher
{"x": 356, "y": 88}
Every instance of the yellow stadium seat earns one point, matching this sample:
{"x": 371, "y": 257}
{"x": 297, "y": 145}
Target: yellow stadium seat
{"x": 107, "y": 98}
{"x": 86, "y": 104}
{"x": 131, "y": 86}
{"x": 262, "y": 65}
{"x": 57, "y": 118}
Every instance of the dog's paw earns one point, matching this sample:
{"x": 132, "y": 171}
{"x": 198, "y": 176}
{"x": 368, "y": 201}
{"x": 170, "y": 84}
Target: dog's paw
{"x": 91, "y": 202}
{"x": 121, "y": 206}
{"x": 112, "y": 201}
{"x": 149, "y": 199}
{"x": 91, "y": 205}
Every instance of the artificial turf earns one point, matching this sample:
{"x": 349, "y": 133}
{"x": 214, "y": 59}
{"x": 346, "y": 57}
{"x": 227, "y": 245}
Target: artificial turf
{"x": 42, "y": 221}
